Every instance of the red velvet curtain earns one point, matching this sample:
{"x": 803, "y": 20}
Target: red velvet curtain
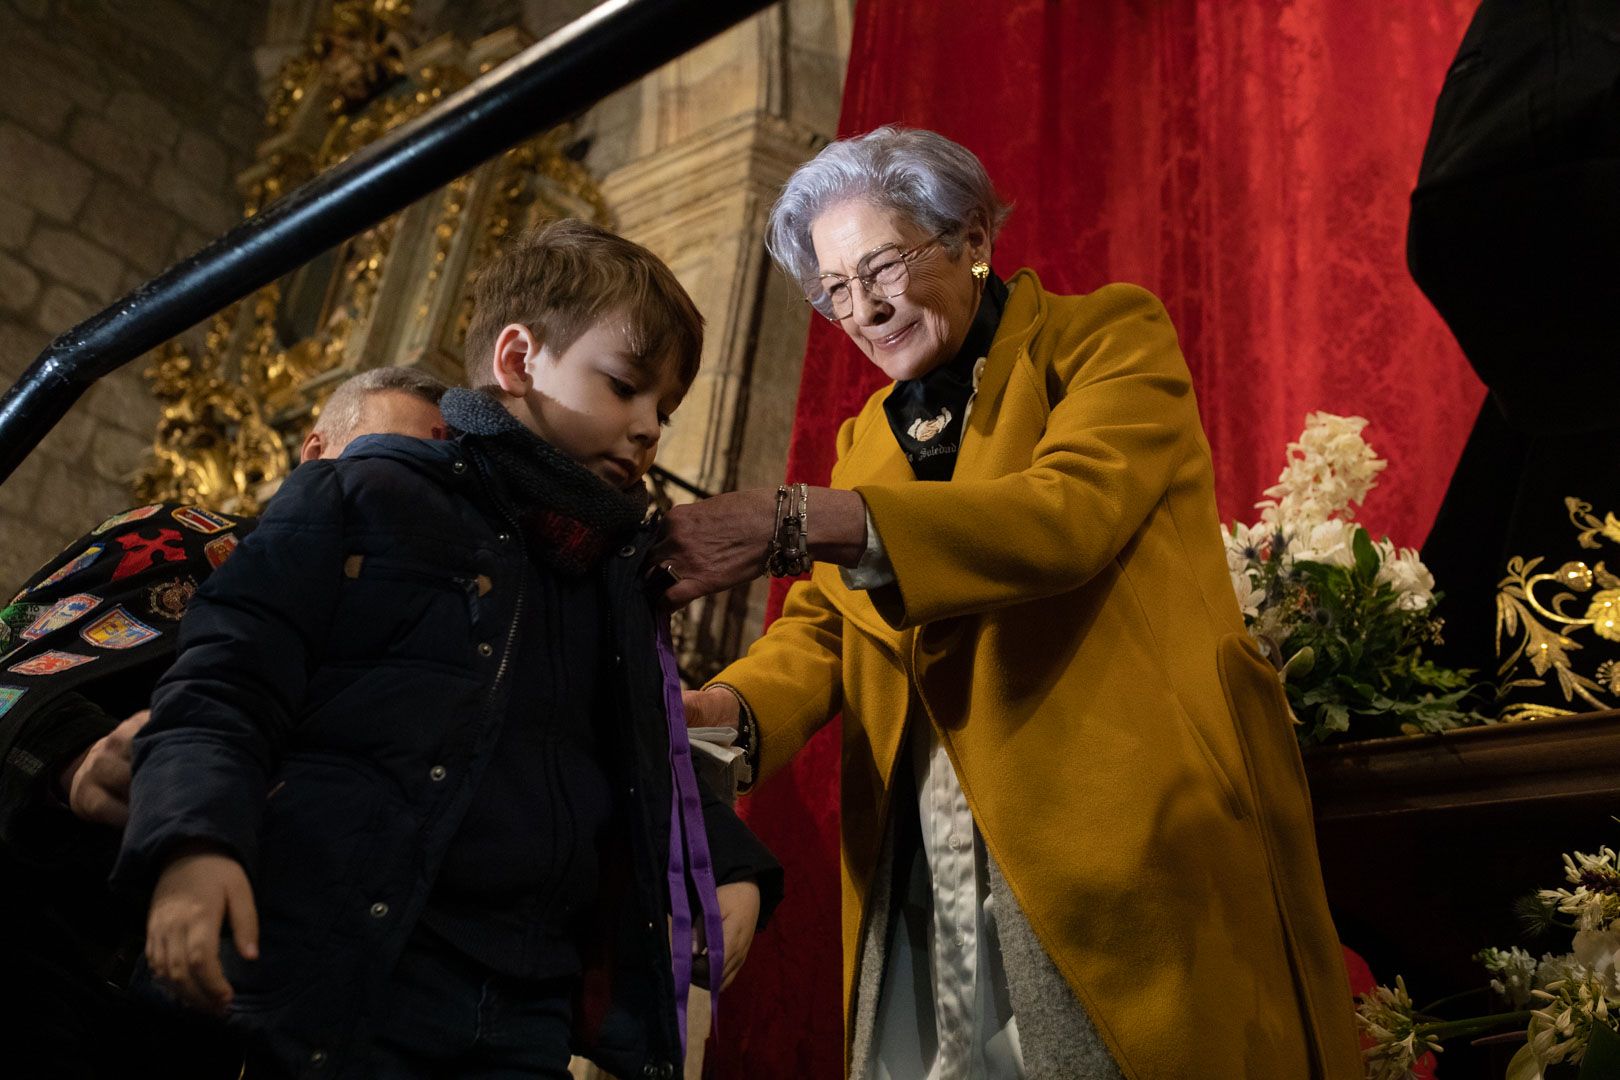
{"x": 1250, "y": 163}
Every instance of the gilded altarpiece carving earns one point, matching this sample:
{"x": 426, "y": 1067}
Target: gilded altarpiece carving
{"x": 235, "y": 408}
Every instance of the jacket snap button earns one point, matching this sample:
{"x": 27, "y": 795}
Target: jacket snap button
{"x": 459, "y": 467}
{"x": 436, "y": 773}
{"x": 627, "y": 551}
{"x": 504, "y": 537}
{"x": 379, "y": 909}
{"x": 485, "y": 649}
{"x": 317, "y": 1058}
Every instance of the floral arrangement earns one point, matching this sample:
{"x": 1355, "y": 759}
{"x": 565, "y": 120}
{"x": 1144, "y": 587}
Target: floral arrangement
{"x": 1566, "y": 1005}
{"x": 1343, "y": 616}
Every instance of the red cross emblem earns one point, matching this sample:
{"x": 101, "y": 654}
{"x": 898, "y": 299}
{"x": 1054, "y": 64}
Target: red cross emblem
{"x": 140, "y": 552}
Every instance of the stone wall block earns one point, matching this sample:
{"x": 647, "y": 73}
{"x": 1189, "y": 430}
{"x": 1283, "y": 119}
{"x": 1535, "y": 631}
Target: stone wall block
{"x": 15, "y": 221}
{"x": 18, "y": 561}
{"x": 172, "y": 27}
{"x": 20, "y": 343}
{"x": 70, "y": 439}
{"x": 75, "y": 261}
{"x": 117, "y": 453}
{"x": 239, "y": 125}
{"x": 34, "y": 103}
{"x": 18, "y": 285}
{"x": 206, "y": 208}
{"x": 68, "y": 493}
{"x": 141, "y": 114}
{"x": 61, "y": 309}
{"x": 111, "y": 148}
{"x": 202, "y": 157}
{"x": 55, "y": 68}
{"x": 132, "y": 224}
{"x": 41, "y": 175}
{"x": 123, "y": 400}
{"x": 33, "y": 9}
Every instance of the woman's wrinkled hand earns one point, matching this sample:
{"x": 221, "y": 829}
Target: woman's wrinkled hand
{"x": 714, "y": 707}
{"x": 720, "y": 542}
{"x": 715, "y": 544}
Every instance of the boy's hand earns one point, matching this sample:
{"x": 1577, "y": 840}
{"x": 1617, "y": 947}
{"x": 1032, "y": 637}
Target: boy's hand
{"x": 96, "y": 783}
{"x": 195, "y": 893}
{"x": 714, "y": 707}
{"x": 739, "y": 915}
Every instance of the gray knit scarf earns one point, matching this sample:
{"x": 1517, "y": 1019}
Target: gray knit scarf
{"x": 568, "y": 514}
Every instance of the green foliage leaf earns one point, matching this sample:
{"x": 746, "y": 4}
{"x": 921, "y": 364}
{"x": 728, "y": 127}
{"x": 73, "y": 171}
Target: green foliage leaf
{"x": 1602, "y": 1061}
{"x": 1366, "y": 555}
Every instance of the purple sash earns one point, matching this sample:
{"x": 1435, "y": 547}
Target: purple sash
{"x": 688, "y": 851}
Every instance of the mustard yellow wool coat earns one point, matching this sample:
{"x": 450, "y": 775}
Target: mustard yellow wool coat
{"x": 1063, "y": 617}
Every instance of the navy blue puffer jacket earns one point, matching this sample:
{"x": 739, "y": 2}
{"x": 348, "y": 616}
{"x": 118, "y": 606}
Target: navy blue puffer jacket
{"x": 340, "y": 687}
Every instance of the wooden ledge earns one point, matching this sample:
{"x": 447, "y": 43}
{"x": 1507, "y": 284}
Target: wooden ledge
{"x": 1499, "y": 765}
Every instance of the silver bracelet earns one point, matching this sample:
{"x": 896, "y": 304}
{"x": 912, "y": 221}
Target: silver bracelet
{"x": 789, "y": 552}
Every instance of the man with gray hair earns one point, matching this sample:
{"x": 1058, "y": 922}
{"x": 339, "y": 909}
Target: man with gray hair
{"x": 81, "y": 647}
{"x": 395, "y": 400}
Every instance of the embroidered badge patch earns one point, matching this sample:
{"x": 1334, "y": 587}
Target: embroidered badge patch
{"x": 9, "y": 696}
{"x": 18, "y": 617}
{"x": 60, "y": 614}
{"x": 90, "y": 555}
{"x": 220, "y": 549}
{"x": 197, "y": 519}
{"x": 142, "y": 552}
{"x": 118, "y": 629}
{"x": 49, "y": 663}
{"x": 168, "y": 600}
{"x": 126, "y": 517}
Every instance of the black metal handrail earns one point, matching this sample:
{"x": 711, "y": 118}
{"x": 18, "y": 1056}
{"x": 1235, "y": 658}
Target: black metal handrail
{"x": 602, "y": 51}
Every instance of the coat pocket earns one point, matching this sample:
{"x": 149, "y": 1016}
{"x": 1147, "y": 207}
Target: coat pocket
{"x": 320, "y": 831}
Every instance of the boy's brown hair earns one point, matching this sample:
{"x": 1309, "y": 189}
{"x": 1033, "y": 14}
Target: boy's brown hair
{"x": 559, "y": 278}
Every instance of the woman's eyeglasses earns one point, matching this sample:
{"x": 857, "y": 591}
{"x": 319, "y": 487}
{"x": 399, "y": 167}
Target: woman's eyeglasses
{"x": 833, "y": 296}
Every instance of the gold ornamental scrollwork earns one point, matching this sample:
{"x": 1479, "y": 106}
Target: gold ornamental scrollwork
{"x": 1541, "y": 617}
{"x": 235, "y": 405}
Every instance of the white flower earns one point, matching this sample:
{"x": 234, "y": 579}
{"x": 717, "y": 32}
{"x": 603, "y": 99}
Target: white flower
{"x": 1249, "y": 595}
{"x": 1403, "y": 571}
{"x": 1599, "y": 951}
{"x": 1516, "y": 970}
{"x": 1387, "y": 1019}
{"x": 1595, "y": 900}
{"x": 1562, "y": 1027}
{"x": 1328, "y": 542}
{"x": 1328, "y": 470}
{"x": 1243, "y": 545}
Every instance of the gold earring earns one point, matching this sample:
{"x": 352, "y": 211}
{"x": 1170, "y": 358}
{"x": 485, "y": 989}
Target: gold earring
{"x": 980, "y": 270}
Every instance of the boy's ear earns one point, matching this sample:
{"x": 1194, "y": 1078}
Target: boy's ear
{"x": 516, "y": 348}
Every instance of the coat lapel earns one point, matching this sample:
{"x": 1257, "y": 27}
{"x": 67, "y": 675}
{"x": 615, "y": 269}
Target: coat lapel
{"x": 1026, "y": 310}
{"x": 875, "y": 456}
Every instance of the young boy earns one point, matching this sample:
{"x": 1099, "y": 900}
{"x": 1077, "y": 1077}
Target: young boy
{"x": 415, "y": 751}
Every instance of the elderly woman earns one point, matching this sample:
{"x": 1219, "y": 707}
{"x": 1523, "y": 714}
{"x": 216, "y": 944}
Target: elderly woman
{"x": 1076, "y": 841}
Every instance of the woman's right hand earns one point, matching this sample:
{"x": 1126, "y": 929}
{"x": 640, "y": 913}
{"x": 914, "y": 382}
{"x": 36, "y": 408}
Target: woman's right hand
{"x": 714, "y": 707}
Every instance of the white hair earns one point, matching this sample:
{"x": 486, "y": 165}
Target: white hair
{"x": 936, "y": 184}
{"x": 340, "y": 416}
